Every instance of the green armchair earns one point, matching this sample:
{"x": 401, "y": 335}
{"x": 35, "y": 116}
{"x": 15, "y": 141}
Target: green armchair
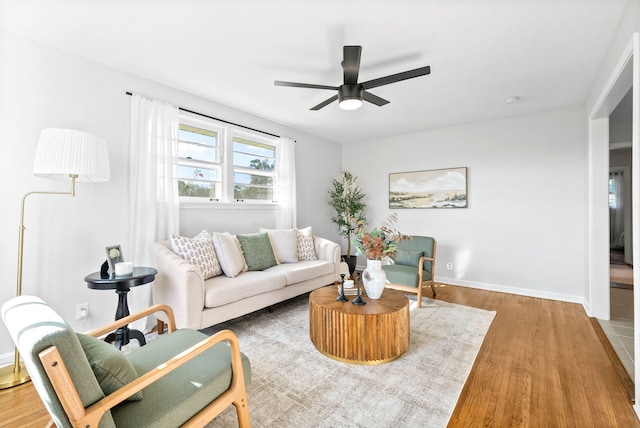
{"x": 183, "y": 378}
{"x": 413, "y": 266}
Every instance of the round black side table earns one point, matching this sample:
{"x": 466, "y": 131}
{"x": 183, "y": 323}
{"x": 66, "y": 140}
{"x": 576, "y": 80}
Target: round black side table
{"x": 122, "y": 285}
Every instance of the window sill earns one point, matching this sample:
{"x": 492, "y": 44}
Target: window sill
{"x": 227, "y": 206}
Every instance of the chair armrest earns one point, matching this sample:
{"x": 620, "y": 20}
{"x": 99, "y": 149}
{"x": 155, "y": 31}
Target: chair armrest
{"x": 421, "y": 268}
{"x": 100, "y": 331}
{"x": 90, "y": 416}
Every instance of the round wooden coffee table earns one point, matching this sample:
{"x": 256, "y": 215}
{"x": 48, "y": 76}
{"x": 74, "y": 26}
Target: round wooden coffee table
{"x": 375, "y": 333}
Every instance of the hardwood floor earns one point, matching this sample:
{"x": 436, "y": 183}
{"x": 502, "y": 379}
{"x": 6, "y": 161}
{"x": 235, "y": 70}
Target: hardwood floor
{"x": 541, "y": 365}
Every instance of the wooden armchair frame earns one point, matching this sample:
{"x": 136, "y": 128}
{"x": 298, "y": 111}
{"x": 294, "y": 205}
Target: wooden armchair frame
{"x": 422, "y": 283}
{"x": 80, "y": 416}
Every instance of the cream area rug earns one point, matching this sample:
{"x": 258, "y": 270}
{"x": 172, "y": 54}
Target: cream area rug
{"x": 294, "y": 385}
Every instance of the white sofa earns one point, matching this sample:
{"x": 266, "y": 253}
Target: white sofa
{"x": 199, "y": 303}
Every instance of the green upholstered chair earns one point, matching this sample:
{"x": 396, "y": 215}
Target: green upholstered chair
{"x": 183, "y": 378}
{"x": 413, "y": 266}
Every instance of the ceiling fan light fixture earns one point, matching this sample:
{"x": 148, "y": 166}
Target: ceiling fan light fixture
{"x": 350, "y": 104}
{"x": 350, "y": 97}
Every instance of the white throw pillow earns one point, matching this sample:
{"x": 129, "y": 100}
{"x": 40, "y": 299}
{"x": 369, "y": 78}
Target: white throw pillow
{"x": 199, "y": 252}
{"x": 284, "y": 243}
{"x": 229, "y": 253}
{"x": 306, "y": 249}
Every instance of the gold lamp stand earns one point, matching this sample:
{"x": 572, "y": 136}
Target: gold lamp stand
{"x": 17, "y": 374}
{"x": 60, "y": 154}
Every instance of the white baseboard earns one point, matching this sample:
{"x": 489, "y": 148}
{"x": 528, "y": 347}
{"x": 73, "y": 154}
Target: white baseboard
{"x": 541, "y": 294}
{"x": 6, "y": 359}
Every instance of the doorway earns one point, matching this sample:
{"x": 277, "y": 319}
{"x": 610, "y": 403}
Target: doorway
{"x": 624, "y": 77}
{"x": 619, "y": 329}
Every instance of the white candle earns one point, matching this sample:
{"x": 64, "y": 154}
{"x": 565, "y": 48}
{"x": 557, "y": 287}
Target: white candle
{"x": 124, "y": 268}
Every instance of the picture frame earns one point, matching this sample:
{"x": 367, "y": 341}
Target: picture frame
{"x": 114, "y": 255}
{"x": 435, "y": 188}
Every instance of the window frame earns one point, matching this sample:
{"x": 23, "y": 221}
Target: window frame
{"x": 252, "y": 137}
{"x": 221, "y": 131}
{"x": 226, "y": 133}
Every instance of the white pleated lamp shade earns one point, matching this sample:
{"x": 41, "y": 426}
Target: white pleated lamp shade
{"x": 62, "y": 152}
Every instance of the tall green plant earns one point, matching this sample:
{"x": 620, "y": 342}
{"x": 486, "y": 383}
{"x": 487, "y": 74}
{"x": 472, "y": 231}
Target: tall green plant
{"x": 346, "y": 198}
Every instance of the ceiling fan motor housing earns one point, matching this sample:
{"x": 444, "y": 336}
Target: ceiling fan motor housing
{"x": 350, "y": 92}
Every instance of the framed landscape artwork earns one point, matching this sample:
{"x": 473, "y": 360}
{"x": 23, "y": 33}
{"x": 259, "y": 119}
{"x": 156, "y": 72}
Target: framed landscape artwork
{"x": 436, "y": 188}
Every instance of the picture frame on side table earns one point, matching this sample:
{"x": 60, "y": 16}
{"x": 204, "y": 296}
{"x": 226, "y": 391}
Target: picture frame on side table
{"x": 436, "y": 188}
{"x": 114, "y": 255}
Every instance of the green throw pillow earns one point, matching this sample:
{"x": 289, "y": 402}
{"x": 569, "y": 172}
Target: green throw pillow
{"x": 408, "y": 258}
{"x": 257, "y": 250}
{"x": 110, "y": 366}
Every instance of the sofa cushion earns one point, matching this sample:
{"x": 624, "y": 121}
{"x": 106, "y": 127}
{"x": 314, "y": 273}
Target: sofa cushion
{"x": 198, "y": 251}
{"x": 306, "y": 249}
{"x": 403, "y": 275}
{"x": 169, "y": 402}
{"x": 110, "y": 366}
{"x": 408, "y": 257}
{"x": 303, "y": 271}
{"x": 284, "y": 243}
{"x": 257, "y": 251}
{"x": 229, "y": 253}
{"x": 221, "y": 290}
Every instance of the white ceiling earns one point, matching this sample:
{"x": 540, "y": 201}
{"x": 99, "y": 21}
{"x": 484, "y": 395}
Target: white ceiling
{"x": 547, "y": 52}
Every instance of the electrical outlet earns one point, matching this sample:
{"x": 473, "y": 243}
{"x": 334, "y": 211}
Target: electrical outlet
{"x": 82, "y": 311}
{"x": 449, "y": 266}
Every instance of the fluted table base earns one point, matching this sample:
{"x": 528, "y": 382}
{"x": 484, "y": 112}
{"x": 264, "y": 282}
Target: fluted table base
{"x": 375, "y": 333}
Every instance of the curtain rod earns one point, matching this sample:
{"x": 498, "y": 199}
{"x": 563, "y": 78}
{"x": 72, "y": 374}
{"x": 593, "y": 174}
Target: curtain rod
{"x": 221, "y": 120}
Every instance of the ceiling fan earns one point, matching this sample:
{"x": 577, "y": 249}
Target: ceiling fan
{"x": 351, "y": 93}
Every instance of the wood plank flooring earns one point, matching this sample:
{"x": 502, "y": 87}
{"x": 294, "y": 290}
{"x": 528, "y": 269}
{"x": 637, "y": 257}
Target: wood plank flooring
{"x": 541, "y": 365}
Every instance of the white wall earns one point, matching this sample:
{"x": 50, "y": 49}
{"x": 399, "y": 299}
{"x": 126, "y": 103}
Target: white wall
{"x": 65, "y": 237}
{"x": 523, "y": 231}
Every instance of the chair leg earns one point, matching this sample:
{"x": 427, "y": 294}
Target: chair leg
{"x": 242, "y": 411}
{"x": 419, "y": 297}
{"x": 433, "y": 288}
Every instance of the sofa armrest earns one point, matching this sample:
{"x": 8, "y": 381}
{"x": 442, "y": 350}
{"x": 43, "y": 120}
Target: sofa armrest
{"x": 329, "y": 251}
{"x": 178, "y": 284}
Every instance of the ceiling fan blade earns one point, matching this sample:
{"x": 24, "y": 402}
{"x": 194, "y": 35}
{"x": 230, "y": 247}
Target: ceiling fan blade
{"x": 393, "y": 78}
{"x": 374, "y": 99}
{"x": 351, "y": 64}
{"x": 325, "y": 103}
{"x": 303, "y": 85}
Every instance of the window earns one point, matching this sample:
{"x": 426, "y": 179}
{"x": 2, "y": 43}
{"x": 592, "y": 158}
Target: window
{"x": 199, "y": 168}
{"x": 253, "y": 170}
{"x": 612, "y": 193}
{"x": 222, "y": 164}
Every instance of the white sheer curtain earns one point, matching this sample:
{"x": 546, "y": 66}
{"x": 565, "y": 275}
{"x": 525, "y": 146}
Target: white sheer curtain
{"x": 153, "y": 192}
{"x": 286, "y": 168}
{"x": 616, "y": 208}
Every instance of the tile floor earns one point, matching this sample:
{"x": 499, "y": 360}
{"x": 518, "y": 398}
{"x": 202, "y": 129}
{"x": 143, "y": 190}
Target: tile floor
{"x": 619, "y": 329}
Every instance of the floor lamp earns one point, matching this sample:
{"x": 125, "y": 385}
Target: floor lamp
{"x": 62, "y": 154}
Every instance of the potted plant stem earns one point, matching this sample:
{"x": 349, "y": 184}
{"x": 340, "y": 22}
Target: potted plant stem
{"x": 346, "y": 197}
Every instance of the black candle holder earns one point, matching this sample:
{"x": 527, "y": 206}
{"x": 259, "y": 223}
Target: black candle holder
{"x": 342, "y": 297}
{"x": 359, "y": 300}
